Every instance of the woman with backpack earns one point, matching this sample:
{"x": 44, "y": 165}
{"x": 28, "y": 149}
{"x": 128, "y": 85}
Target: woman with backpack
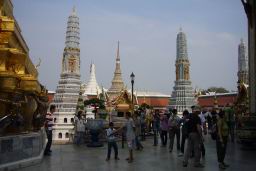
{"x": 174, "y": 130}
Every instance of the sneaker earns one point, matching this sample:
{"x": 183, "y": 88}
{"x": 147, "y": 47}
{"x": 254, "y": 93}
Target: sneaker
{"x": 225, "y": 165}
{"x": 170, "y": 151}
{"x": 107, "y": 159}
{"x": 180, "y": 154}
{"x": 47, "y": 153}
{"x": 221, "y": 166}
{"x": 117, "y": 158}
{"x": 130, "y": 161}
{"x": 184, "y": 164}
{"x": 199, "y": 165}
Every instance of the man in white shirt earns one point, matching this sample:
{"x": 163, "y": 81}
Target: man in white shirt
{"x": 111, "y": 138}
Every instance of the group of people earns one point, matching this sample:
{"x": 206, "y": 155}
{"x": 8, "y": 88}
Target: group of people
{"x": 192, "y": 127}
{"x": 189, "y": 131}
{"x": 132, "y": 130}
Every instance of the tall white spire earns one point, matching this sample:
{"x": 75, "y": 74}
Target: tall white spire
{"x": 117, "y": 82}
{"x": 182, "y": 95}
{"x": 242, "y": 63}
{"x": 242, "y": 58}
{"x": 92, "y": 87}
{"x": 73, "y": 32}
{"x": 181, "y": 45}
{"x": 68, "y": 88}
{"x": 71, "y": 54}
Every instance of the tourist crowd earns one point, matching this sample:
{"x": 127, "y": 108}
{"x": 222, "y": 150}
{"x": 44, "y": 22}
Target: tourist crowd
{"x": 188, "y": 129}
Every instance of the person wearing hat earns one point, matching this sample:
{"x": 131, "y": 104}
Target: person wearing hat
{"x": 194, "y": 138}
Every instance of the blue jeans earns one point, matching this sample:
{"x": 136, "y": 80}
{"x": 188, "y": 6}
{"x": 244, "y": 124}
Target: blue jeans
{"x": 79, "y": 138}
{"x": 114, "y": 145}
{"x": 137, "y": 142}
{"x": 49, "y": 142}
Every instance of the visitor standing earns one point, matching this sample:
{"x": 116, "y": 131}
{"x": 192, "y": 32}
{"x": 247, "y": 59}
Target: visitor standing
{"x": 194, "y": 138}
{"x": 48, "y": 129}
{"x": 149, "y": 119}
{"x": 111, "y": 138}
{"x": 156, "y": 126}
{"x": 230, "y": 117}
{"x": 79, "y": 128}
{"x": 222, "y": 139}
{"x": 184, "y": 131}
{"x": 137, "y": 122}
{"x": 130, "y": 135}
{"x": 208, "y": 117}
{"x": 164, "y": 129}
{"x": 174, "y": 130}
{"x": 203, "y": 126}
{"x": 143, "y": 125}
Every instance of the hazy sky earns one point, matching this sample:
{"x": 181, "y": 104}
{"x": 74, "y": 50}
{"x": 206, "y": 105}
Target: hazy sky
{"x": 147, "y": 31}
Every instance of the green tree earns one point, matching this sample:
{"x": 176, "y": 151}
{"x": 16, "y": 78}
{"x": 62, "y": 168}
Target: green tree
{"x": 144, "y": 106}
{"x": 96, "y": 103}
{"x": 215, "y": 89}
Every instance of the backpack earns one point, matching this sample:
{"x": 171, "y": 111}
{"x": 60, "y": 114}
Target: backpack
{"x": 184, "y": 128}
{"x": 214, "y": 131}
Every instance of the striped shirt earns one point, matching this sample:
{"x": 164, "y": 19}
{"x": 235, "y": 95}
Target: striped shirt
{"x": 48, "y": 121}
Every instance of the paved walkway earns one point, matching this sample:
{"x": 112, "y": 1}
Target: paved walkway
{"x": 76, "y": 158}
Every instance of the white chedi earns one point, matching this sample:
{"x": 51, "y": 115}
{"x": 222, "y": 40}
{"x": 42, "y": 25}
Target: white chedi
{"x": 91, "y": 88}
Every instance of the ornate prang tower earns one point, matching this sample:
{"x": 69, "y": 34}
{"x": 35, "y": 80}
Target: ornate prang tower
{"x": 117, "y": 82}
{"x": 67, "y": 92}
{"x": 242, "y": 64}
{"x": 182, "y": 96}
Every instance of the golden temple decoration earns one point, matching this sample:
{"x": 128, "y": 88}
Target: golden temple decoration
{"x": 22, "y": 98}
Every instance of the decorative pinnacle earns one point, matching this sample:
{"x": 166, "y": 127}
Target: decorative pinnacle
{"x": 242, "y": 40}
{"x": 117, "y": 53}
{"x": 74, "y": 10}
{"x": 91, "y": 68}
{"x": 180, "y": 29}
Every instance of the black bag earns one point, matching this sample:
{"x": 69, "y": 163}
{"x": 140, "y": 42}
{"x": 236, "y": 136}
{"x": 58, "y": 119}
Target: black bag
{"x": 214, "y": 131}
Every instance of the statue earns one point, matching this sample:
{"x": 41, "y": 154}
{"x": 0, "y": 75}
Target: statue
{"x": 23, "y": 100}
{"x": 177, "y": 72}
{"x": 186, "y": 72}
{"x": 241, "y": 104}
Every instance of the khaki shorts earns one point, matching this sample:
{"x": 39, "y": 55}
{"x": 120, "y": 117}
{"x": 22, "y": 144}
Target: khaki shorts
{"x": 131, "y": 144}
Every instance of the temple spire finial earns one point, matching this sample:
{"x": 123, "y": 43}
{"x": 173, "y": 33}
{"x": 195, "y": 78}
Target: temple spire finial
{"x": 74, "y": 9}
{"x": 242, "y": 40}
{"x": 180, "y": 29}
{"x": 117, "y": 53}
{"x": 117, "y": 82}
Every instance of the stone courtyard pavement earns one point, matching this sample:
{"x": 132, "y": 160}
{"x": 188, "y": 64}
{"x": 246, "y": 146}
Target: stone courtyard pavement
{"x": 76, "y": 158}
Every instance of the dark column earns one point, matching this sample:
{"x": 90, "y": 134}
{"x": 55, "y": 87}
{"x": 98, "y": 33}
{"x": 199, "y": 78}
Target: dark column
{"x": 250, "y": 10}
